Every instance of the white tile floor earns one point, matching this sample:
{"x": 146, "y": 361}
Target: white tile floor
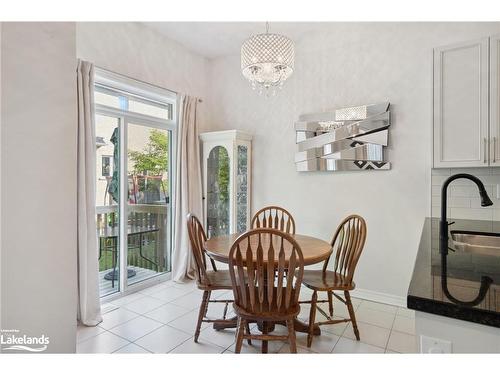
{"x": 162, "y": 318}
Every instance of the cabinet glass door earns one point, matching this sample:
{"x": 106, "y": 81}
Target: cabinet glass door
{"x": 218, "y": 192}
{"x": 242, "y": 189}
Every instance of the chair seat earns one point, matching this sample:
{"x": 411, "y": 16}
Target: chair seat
{"x": 267, "y": 313}
{"x": 323, "y": 281}
{"x": 217, "y": 280}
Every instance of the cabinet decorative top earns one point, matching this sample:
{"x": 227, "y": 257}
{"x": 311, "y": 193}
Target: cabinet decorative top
{"x": 226, "y": 135}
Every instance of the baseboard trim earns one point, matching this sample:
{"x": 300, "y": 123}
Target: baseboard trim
{"x": 389, "y": 299}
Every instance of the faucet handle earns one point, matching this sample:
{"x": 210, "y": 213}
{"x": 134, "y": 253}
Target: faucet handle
{"x": 450, "y": 223}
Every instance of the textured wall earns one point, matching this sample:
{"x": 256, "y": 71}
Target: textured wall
{"x": 349, "y": 64}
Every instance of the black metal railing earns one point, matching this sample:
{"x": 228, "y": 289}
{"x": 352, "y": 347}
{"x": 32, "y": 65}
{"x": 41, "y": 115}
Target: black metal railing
{"x": 148, "y": 235}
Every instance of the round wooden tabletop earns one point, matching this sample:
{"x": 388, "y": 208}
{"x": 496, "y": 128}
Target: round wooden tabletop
{"x": 314, "y": 250}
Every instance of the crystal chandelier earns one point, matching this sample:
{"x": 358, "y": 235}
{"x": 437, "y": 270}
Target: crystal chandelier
{"x": 267, "y": 60}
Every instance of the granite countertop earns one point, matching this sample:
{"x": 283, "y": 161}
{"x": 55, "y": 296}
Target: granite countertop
{"x": 464, "y": 274}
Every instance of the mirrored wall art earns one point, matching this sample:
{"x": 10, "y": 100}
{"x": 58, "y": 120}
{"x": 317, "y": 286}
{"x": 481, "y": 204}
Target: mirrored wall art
{"x": 347, "y": 139}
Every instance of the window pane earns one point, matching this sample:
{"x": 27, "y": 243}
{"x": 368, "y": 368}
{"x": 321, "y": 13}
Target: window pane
{"x": 107, "y": 99}
{"x": 106, "y": 166}
{"x": 107, "y": 209}
{"x": 149, "y": 234}
{"x": 150, "y": 109}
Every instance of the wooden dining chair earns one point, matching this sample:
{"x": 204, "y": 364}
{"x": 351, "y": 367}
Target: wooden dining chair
{"x": 347, "y": 245}
{"x": 274, "y": 217}
{"x": 263, "y": 290}
{"x": 206, "y": 280}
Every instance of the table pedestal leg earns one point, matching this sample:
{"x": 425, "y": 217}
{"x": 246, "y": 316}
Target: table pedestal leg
{"x": 230, "y": 323}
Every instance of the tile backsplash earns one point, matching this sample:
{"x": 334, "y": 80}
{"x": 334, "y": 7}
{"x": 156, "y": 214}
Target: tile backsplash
{"x": 463, "y": 196}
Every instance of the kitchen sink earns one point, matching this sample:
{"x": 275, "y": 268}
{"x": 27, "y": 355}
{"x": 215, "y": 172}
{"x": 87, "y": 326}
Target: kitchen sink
{"x": 476, "y": 242}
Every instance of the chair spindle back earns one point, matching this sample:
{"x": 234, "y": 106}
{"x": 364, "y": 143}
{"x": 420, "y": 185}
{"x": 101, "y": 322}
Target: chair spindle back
{"x": 266, "y": 267}
{"x": 197, "y": 238}
{"x": 274, "y": 217}
{"x": 347, "y": 244}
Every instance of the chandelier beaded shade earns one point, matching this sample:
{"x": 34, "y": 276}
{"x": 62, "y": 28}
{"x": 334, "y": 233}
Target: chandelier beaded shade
{"x": 267, "y": 60}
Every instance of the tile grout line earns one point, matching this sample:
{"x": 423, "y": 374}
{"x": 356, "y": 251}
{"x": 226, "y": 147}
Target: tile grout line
{"x": 163, "y": 324}
{"x": 121, "y": 347}
{"x": 138, "y": 315}
{"x": 164, "y": 303}
{"x": 392, "y": 324}
{"x": 144, "y": 316}
{"x": 134, "y": 344}
{"x": 390, "y": 333}
{"x": 135, "y": 341}
{"x": 192, "y": 337}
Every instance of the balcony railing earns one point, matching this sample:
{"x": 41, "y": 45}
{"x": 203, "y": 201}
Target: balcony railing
{"x": 148, "y": 232}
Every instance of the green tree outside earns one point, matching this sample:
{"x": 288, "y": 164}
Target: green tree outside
{"x": 153, "y": 160}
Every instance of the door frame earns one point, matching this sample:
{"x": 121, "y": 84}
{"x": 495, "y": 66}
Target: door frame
{"x": 124, "y": 119}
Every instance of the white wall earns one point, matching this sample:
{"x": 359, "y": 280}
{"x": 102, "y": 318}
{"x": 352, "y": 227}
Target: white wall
{"x": 38, "y": 177}
{"x": 136, "y": 51}
{"x": 349, "y": 64}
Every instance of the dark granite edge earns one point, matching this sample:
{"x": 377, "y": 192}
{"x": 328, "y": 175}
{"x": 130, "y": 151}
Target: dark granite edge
{"x": 475, "y": 315}
{"x": 427, "y": 304}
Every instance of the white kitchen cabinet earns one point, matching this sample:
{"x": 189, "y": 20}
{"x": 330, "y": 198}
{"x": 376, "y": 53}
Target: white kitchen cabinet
{"x": 461, "y": 110}
{"x": 227, "y": 162}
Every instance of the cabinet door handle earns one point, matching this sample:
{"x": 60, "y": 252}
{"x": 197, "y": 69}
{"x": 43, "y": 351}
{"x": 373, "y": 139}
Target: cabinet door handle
{"x": 485, "y": 147}
{"x": 494, "y": 149}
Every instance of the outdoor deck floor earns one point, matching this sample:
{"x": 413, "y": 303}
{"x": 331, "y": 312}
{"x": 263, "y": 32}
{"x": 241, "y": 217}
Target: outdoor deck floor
{"x": 105, "y": 286}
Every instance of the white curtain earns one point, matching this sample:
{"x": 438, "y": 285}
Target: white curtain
{"x": 89, "y": 308}
{"x": 188, "y": 192}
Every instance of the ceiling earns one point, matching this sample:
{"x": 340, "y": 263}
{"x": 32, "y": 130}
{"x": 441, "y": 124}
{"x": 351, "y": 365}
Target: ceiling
{"x": 215, "y": 39}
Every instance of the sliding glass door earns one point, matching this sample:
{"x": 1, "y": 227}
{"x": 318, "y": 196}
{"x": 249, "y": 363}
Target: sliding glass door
{"x": 148, "y": 201}
{"x": 134, "y": 140}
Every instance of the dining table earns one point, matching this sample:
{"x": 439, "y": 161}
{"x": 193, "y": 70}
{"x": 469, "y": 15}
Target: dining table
{"x": 314, "y": 250}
